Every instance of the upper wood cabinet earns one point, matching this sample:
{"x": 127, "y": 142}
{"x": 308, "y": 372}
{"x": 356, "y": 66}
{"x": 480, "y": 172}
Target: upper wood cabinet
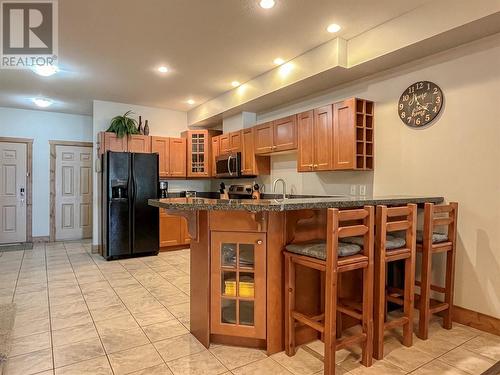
{"x": 177, "y": 157}
{"x": 161, "y": 146}
{"x": 139, "y": 143}
{"x": 315, "y": 130}
{"x": 198, "y": 151}
{"x": 276, "y": 136}
{"x": 224, "y": 144}
{"x": 235, "y": 141}
{"x": 252, "y": 165}
{"x": 305, "y": 154}
{"x": 110, "y": 142}
{"x": 215, "y": 152}
{"x": 285, "y": 134}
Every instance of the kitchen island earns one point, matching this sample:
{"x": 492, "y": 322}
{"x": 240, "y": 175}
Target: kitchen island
{"x": 237, "y": 268}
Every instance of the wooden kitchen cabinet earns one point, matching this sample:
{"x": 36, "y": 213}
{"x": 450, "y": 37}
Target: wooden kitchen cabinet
{"x": 315, "y": 129}
{"x": 161, "y": 146}
{"x": 252, "y": 165}
{"x": 225, "y": 144}
{"x": 198, "y": 151}
{"x": 110, "y": 142}
{"x": 139, "y": 143}
{"x": 177, "y": 157}
{"x": 238, "y": 284}
{"x": 276, "y": 136}
{"x": 215, "y": 151}
{"x": 235, "y": 141}
{"x": 173, "y": 230}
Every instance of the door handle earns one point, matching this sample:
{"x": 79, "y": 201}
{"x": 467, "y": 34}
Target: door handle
{"x": 229, "y": 165}
{"x": 259, "y": 242}
{"x": 21, "y": 195}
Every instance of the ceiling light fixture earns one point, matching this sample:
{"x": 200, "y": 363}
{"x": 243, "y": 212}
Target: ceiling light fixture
{"x": 267, "y": 4}
{"x": 190, "y": 101}
{"x": 45, "y": 70}
{"x": 42, "y": 102}
{"x": 333, "y": 28}
{"x": 163, "y": 69}
{"x": 235, "y": 83}
{"x": 278, "y": 61}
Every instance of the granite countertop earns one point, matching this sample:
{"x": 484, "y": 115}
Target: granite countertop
{"x": 296, "y": 203}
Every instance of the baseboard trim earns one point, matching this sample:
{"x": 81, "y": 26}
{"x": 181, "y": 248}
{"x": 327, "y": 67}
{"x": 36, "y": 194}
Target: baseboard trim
{"x": 476, "y": 320}
{"x": 96, "y": 249}
{"x": 40, "y": 239}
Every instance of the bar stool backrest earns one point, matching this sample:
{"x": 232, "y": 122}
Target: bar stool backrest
{"x": 396, "y": 219}
{"x": 435, "y": 216}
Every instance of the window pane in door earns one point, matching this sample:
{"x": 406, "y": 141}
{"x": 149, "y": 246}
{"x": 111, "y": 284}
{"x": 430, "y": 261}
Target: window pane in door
{"x": 228, "y": 286}
{"x": 247, "y": 313}
{"x": 246, "y": 285}
{"x": 228, "y": 255}
{"x": 247, "y": 255}
{"x": 228, "y": 311}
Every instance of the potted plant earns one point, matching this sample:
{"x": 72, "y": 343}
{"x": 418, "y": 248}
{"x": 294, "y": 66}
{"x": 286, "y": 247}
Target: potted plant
{"x": 123, "y": 125}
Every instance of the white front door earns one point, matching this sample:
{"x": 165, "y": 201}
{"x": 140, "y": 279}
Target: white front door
{"x": 73, "y": 192}
{"x": 12, "y": 192}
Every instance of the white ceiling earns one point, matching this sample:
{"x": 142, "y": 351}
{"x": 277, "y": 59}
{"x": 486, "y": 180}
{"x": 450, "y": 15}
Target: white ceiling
{"x": 109, "y": 50}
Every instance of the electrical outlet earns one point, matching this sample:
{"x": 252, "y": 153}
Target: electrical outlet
{"x": 353, "y": 190}
{"x": 362, "y": 189}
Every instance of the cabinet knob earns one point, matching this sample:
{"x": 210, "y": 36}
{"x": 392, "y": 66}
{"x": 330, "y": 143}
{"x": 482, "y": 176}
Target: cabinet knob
{"x": 259, "y": 242}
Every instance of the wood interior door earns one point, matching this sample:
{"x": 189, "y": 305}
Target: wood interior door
{"x": 305, "y": 130}
{"x": 238, "y": 284}
{"x": 139, "y": 143}
{"x": 110, "y": 142}
{"x": 215, "y": 152}
{"x": 263, "y": 138}
{"x": 323, "y": 141}
{"x": 177, "y": 157}
{"x": 225, "y": 144}
{"x": 235, "y": 141}
{"x": 73, "y": 195}
{"x": 247, "y": 155}
{"x": 170, "y": 230}
{"x": 285, "y": 134}
{"x": 13, "y": 167}
{"x": 161, "y": 145}
{"x": 344, "y": 135}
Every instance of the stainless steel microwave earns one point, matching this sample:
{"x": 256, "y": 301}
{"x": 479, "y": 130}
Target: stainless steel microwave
{"x": 228, "y": 165}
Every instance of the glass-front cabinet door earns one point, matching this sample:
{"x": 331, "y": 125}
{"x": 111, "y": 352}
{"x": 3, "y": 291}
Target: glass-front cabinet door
{"x": 198, "y": 154}
{"x": 238, "y": 297}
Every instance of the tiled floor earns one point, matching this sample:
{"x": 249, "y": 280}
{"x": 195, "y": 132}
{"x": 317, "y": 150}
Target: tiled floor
{"x": 78, "y": 314}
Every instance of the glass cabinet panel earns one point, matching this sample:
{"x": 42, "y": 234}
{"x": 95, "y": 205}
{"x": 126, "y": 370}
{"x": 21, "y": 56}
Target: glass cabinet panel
{"x": 247, "y": 255}
{"x": 228, "y": 311}
{"x": 247, "y": 313}
{"x": 228, "y": 255}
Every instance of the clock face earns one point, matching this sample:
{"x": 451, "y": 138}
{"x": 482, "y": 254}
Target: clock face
{"x": 420, "y": 104}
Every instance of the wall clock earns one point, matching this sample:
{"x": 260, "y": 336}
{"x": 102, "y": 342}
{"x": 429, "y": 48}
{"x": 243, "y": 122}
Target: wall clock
{"x": 420, "y": 104}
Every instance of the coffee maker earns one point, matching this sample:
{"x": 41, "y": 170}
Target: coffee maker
{"x": 163, "y": 189}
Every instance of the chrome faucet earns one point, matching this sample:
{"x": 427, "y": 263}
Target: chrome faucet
{"x": 284, "y": 186}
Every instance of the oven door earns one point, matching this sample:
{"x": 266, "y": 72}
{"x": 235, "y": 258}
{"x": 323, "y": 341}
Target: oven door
{"x": 228, "y": 166}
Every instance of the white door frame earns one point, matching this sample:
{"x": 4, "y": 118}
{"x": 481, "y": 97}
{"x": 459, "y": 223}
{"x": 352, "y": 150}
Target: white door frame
{"x": 29, "y": 181}
{"x": 53, "y": 145}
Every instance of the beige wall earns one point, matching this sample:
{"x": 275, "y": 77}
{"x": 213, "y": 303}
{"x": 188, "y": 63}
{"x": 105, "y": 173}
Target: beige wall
{"x": 457, "y": 157}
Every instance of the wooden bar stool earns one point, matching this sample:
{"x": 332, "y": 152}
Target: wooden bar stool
{"x": 395, "y": 240}
{"x": 333, "y": 258}
{"x": 430, "y": 242}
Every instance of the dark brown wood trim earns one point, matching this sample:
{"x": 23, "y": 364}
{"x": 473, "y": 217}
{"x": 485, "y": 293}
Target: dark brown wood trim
{"x": 29, "y": 182}
{"x": 71, "y": 143}
{"x": 476, "y": 320}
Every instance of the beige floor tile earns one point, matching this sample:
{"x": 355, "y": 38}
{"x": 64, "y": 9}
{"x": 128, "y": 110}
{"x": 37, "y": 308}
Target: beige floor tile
{"x": 435, "y": 345}
{"x": 408, "y": 359}
{"x": 123, "y": 339}
{"x": 262, "y": 367}
{"x": 31, "y": 363}
{"x": 153, "y": 316}
{"x": 134, "y": 359}
{"x": 438, "y": 367}
{"x": 95, "y": 366}
{"x": 233, "y": 357}
{"x": 467, "y": 361}
{"x": 178, "y": 347}
{"x": 302, "y": 363}
{"x": 77, "y": 352}
{"x": 378, "y": 368}
{"x": 70, "y": 319}
{"x": 179, "y": 310}
{"x": 28, "y": 344}
{"x": 155, "y": 370}
{"x": 30, "y": 327}
{"x": 74, "y": 334}
{"x": 203, "y": 363}
{"x": 66, "y": 299}
{"x": 123, "y": 323}
{"x": 109, "y": 312}
{"x": 165, "y": 330}
{"x": 486, "y": 345}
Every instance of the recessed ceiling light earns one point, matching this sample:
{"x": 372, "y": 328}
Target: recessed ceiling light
{"x": 333, "y": 28}
{"x": 163, "y": 69}
{"x": 190, "y": 101}
{"x": 46, "y": 70}
{"x": 235, "y": 83}
{"x": 278, "y": 61}
{"x": 267, "y": 4}
{"x": 42, "y": 102}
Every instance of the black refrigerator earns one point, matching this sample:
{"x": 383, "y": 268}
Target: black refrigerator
{"x": 130, "y": 226}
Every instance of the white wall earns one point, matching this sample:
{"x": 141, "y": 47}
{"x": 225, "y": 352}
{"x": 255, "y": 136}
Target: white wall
{"x": 162, "y": 122}
{"x": 41, "y": 127}
{"x": 457, "y": 157}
